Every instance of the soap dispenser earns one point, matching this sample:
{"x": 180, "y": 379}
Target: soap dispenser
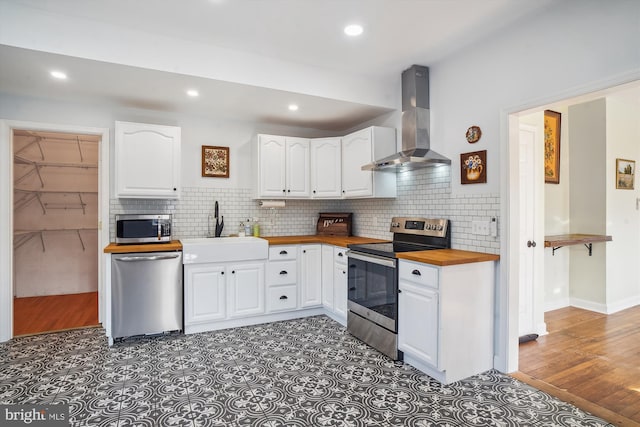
{"x": 247, "y": 227}
{"x": 256, "y": 228}
{"x": 241, "y": 230}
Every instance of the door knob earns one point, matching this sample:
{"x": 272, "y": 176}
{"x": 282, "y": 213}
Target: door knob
{"x": 531, "y": 244}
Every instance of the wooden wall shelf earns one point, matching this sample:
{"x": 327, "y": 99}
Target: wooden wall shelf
{"x": 558, "y": 241}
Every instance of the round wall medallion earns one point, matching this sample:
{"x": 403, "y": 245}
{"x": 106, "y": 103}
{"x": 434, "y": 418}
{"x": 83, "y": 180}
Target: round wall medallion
{"x": 473, "y": 134}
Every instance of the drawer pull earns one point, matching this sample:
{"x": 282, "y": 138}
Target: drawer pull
{"x": 283, "y": 297}
{"x": 283, "y": 252}
{"x": 416, "y": 272}
{"x": 352, "y": 289}
{"x": 283, "y": 272}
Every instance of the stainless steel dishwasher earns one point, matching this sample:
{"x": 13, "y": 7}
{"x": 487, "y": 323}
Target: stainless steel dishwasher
{"x": 146, "y": 293}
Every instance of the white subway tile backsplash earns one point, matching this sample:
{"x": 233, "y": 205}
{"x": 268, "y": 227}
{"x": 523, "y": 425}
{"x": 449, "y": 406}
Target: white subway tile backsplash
{"x": 424, "y": 193}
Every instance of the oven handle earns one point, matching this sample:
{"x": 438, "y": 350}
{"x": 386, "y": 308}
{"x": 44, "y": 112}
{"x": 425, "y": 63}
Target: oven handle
{"x": 372, "y": 258}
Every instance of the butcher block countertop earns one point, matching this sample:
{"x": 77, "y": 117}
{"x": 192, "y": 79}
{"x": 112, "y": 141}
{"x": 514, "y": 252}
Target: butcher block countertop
{"x": 115, "y": 248}
{"x": 329, "y": 240}
{"x": 445, "y": 257}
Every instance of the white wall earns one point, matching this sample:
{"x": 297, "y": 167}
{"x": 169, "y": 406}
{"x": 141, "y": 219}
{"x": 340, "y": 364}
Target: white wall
{"x": 623, "y": 219}
{"x": 588, "y": 202}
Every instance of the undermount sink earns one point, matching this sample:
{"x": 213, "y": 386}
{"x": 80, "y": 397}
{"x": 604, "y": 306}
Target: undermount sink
{"x": 223, "y": 249}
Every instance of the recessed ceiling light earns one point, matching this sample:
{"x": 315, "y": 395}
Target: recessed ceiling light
{"x": 293, "y": 107}
{"x": 353, "y": 30}
{"x": 192, "y": 93}
{"x": 58, "y": 75}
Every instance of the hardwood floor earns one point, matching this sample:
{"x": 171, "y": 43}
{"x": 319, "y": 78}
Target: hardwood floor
{"x": 54, "y": 313}
{"x": 591, "y": 356}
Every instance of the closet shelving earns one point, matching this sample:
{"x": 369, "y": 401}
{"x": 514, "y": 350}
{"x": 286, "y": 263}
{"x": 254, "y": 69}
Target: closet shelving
{"x": 24, "y": 197}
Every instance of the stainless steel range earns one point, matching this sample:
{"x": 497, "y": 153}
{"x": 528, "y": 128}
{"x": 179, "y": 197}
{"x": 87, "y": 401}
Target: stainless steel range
{"x": 373, "y": 280}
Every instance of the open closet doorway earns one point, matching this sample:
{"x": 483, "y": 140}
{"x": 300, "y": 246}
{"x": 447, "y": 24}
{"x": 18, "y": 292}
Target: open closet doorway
{"x": 589, "y": 298}
{"x": 55, "y": 231}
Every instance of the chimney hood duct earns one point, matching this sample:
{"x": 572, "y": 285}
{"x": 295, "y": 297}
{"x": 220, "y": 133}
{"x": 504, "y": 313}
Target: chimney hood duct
{"x": 415, "y": 127}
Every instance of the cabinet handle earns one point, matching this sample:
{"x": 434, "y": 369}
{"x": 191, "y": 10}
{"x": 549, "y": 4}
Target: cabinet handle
{"x": 283, "y": 297}
{"x": 304, "y": 251}
{"x": 175, "y": 189}
{"x": 314, "y": 191}
{"x": 531, "y": 244}
{"x": 399, "y": 291}
{"x": 289, "y": 191}
{"x": 233, "y": 272}
{"x": 283, "y": 252}
{"x": 344, "y": 272}
{"x": 284, "y": 191}
{"x": 352, "y": 289}
{"x": 283, "y": 272}
{"x": 222, "y": 273}
{"x": 416, "y": 272}
{"x": 340, "y": 254}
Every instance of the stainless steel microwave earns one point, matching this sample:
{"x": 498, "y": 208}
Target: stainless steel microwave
{"x": 147, "y": 228}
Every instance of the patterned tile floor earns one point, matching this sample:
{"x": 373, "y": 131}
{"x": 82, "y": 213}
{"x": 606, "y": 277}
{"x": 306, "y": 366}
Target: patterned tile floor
{"x": 306, "y": 372}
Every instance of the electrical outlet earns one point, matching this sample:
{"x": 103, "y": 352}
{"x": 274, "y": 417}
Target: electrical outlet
{"x": 480, "y": 228}
{"x": 314, "y": 221}
{"x": 493, "y": 226}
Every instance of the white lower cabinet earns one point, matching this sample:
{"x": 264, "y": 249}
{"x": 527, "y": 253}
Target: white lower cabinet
{"x": 445, "y": 318}
{"x": 282, "y": 278}
{"x": 246, "y": 289}
{"x": 327, "y": 277}
{"x": 310, "y": 275}
{"x": 217, "y": 292}
{"x": 340, "y": 286}
{"x": 205, "y": 293}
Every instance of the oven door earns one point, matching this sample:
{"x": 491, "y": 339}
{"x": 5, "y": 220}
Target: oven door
{"x": 373, "y": 288}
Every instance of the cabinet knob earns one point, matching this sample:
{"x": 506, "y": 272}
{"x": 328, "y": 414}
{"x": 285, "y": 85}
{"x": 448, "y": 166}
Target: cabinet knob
{"x": 222, "y": 273}
{"x": 175, "y": 189}
{"x": 283, "y": 297}
{"x": 283, "y": 272}
{"x": 416, "y": 273}
{"x": 399, "y": 291}
{"x": 284, "y": 191}
{"x": 314, "y": 191}
{"x": 233, "y": 272}
{"x": 340, "y": 254}
{"x": 343, "y": 191}
{"x": 344, "y": 272}
{"x": 304, "y": 251}
{"x": 283, "y": 252}
{"x": 531, "y": 244}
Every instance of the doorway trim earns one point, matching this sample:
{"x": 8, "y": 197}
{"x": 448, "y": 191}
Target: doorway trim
{"x": 6, "y": 211}
{"x": 506, "y": 359}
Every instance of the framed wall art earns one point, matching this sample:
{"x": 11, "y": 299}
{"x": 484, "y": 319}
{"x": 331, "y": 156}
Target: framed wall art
{"x": 551, "y": 147}
{"x": 215, "y": 161}
{"x": 625, "y": 174}
{"x": 473, "y": 167}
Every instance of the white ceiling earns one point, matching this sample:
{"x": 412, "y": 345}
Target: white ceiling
{"x": 397, "y": 33}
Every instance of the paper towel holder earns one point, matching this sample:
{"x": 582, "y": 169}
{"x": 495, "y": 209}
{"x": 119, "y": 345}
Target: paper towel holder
{"x": 272, "y": 204}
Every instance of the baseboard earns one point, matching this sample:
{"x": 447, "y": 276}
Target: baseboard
{"x": 623, "y": 305}
{"x": 605, "y": 308}
{"x": 589, "y": 305}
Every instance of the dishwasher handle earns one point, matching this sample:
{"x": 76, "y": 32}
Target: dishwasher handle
{"x": 146, "y": 258}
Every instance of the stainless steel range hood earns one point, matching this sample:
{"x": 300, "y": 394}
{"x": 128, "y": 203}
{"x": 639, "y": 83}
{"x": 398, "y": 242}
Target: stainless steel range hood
{"x": 415, "y": 127}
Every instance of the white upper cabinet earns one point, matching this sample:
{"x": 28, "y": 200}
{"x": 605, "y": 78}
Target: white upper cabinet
{"x": 297, "y": 160}
{"x": 363, "y": 147}
{"x": 283, "y": 166}
{"x": 326, "y": 168}
{"x": 147, "y": 161}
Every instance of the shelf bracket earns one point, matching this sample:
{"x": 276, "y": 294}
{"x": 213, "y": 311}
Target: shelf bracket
{"x": 79, "y": 149}
{"x": 81, "y": 242}
{"x": 589, "y": 246}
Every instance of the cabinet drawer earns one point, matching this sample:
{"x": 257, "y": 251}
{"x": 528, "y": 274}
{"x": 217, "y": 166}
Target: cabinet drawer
{"x": 281, "y": 298}
{"x": 281, "y": 273}
{"x": 283, "y": 252}
{"x": 340, "y": 255}
{"x": 418, "y": 273}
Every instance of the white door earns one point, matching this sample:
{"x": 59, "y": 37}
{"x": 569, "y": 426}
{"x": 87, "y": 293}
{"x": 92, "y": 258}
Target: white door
{"x": 528, "y": 243}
